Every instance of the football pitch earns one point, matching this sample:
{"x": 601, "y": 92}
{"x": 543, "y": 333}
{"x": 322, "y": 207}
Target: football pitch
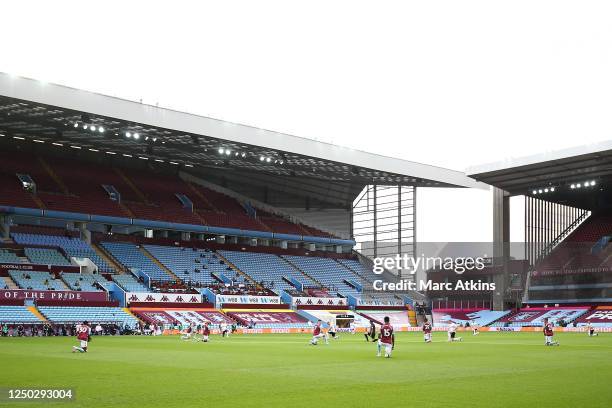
{"x": 489, "y": 370}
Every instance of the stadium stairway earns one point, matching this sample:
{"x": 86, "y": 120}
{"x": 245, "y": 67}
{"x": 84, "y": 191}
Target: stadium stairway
{"x": 134, "y": 188}
{"x": 235, "y": 268}
{"x": 36, "y": 313}
{"x": 161, "y": 265}
{"x": 107, "y": 258}
{"x": 202, "y": 196}
{"x": 412, "y": 318}
{"x": 301, "y": 271}
{"x": 126, "y": 210}
{"x": 39, "y": 202}
{"x": 53, "y": 175}
{"x": 9, "y": 283}
{"x": 128, "y": 311}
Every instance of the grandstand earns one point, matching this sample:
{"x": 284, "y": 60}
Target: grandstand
{"x": 568, "y": 226}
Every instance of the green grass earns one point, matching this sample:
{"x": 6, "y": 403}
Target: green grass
{"x": 491, "y": 370}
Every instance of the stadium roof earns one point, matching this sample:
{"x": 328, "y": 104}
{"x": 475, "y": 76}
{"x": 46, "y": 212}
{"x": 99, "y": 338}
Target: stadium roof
{"x": 49, "y": 113}
{"x": 558, "y": 169}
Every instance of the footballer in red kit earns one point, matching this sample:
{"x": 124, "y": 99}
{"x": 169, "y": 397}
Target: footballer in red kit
{"x": 317, "y": 334}
{"x": 549, "y": 333}
{"x": 205, "y": 332}
{"x": 83, "y": 332}
{"x": 386, "y": 338}
{"x": 427, "y": 331}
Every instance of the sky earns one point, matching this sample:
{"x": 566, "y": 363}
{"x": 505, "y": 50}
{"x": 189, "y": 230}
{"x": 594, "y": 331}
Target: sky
{"x": 449, "y": 83}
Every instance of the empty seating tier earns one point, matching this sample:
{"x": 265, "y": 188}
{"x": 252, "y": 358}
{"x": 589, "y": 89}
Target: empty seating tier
{"x": 74, "y": 247}
{"x": 192, "y": 265}
{"x": 64, "y": 314}
{"x": 131, "y": 257}
{"x": 37, "y": 280}
{"x": 266, "y": 268}
{"x": 46, "y": 256}
{"x": 17, "y": 314}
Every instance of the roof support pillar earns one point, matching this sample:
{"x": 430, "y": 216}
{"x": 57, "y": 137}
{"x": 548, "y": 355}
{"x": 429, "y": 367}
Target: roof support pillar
{"x": 501, "y": 245}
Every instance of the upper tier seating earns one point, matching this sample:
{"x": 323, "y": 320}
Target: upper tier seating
{"x": 17, "y": 314}
{"x": 7, "y": 256}
{"x": 266, "y": 268}
{"x": 37, "y": 280}
{"x": 194, "y": 265}
{"x": 85, "y": 282}
{"x": 74, "y": 247}
{"x": 68, "y": 314}
{"x": 328, "y": 272}
{"x": 130, "y": 283}
{"x": 131, "y": 257}
{"x": 46, "y": 256}
{"x": 75, "y": 186}
{"x": 360, "y": 269}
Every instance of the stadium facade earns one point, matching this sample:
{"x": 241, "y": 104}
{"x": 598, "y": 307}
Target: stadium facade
{"x": 129, "y": 214}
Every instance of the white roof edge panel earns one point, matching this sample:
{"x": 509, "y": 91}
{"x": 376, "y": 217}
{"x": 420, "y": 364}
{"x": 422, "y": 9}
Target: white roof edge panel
{"x": 103, "y": 105}
{"x": 541, "y": 157}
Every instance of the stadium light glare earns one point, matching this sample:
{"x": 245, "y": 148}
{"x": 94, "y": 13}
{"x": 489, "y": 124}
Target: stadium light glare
{"x": 221, "y": 150}
{"x": 228, "y": 152}
{"x": 101, "y": 129}
{"x": 76, "y": 124}
{"x": 546, "y": 190}
{"x": 540, "y": 191}
{"x": 243, "y": 154}
{"x": 593, "y": 183}
{"x": 136, "y": 136}
{"x": 92, "y": 128}
{"x": 154, "y": 139}
{"x": 128, "y": 135}
{"x": 268, "y": 160}
{"x": 573, "y": 186}
{"x": 578, "y": 185}
{"x": 552, "y": 189}
{"x": 261, "y": 158}
{"x": 85, "y": 127}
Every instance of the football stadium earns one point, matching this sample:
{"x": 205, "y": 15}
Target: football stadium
{"x": 151, "y": 257}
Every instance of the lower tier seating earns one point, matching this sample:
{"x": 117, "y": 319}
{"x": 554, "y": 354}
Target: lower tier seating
{"x": 63, "y": 314}
{"x": 17, "y": 314}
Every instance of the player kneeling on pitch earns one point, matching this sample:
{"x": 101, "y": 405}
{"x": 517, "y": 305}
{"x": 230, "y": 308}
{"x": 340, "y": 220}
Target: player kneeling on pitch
{"x": 317, "y": 334}
{"x": 427, "y": 331}
{"x": 83, "y": 332}
{"x": 452, "y": 331}
{"x": 187, "y": 333}
{"x": 591, "y": 330}
{"x": 386, "y": 339}
{"x": 549, "y": 333}
{"x": 205, "y": 333}
{"x": 332, "y": 330}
